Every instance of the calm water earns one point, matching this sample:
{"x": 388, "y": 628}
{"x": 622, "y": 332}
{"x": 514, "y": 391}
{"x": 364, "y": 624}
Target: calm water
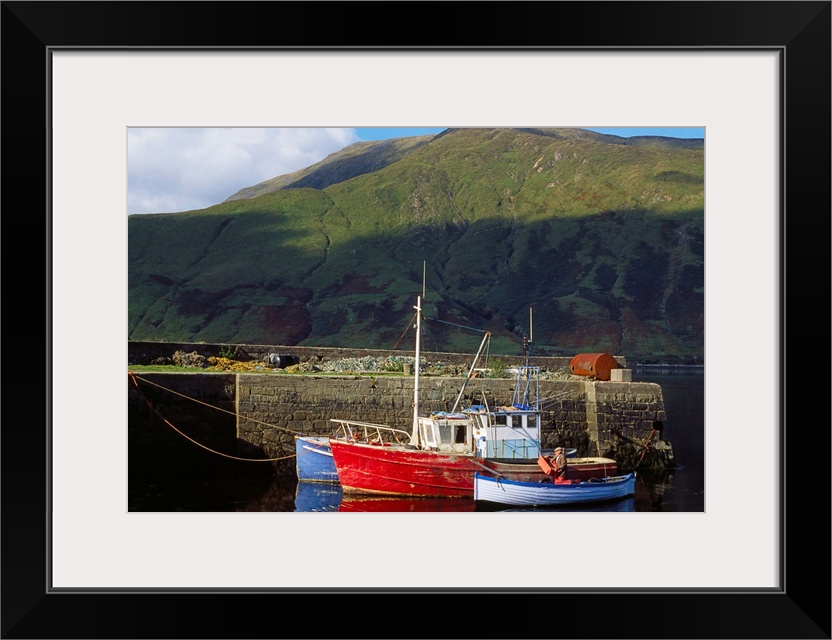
{"x": 233, "y": 487}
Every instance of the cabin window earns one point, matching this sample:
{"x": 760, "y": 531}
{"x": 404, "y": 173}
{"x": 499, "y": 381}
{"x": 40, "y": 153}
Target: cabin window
{"x": 459, "y": 435}
{"x": 428, "y": 435}
{"x": 445, "y": 432}
{"x": 500, "y": 419}
{"x": 532, "y": 422}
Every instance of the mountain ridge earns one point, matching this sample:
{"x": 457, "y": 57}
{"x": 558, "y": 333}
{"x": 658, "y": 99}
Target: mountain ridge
{"x": 603, "y": 238}
{"x": 349, "y": 162}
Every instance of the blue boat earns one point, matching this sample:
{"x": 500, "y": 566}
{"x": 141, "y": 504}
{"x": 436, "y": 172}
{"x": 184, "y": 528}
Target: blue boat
{"x": 313, "y": 459}
{"x": 538, "y": 494}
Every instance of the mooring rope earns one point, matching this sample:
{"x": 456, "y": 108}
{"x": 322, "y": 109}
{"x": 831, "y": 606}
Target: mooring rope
{"x": 187, "y": 437}
{"x": 182, "y": 395}
{"x": 646, "y": 445}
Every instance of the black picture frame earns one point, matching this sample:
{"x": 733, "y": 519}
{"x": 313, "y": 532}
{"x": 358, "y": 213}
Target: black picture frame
{"x": 800, "y": 31}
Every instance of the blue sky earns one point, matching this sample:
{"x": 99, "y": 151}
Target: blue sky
{"x": 181, "y": 169}
{"x": 669, "y": 132}
{"x": 383, "y": 133}
{"x": 625, "y": 132}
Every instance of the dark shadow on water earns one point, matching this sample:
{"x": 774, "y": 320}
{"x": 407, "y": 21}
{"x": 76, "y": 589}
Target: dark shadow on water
{"x": 177, "y": 478}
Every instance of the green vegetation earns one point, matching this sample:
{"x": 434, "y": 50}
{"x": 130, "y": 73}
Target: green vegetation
{"x": 604, "y": 240}
{"x": 497, "y": 368}
{"x": 228, "y": 352}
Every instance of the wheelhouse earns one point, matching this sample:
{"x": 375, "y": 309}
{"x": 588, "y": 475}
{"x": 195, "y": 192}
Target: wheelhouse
{"x": 506, "y": 432}
{"x": 449, "y": 432}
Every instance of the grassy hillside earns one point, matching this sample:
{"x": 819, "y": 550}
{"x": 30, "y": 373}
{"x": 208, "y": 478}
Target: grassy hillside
{"x": 603, "y": 237}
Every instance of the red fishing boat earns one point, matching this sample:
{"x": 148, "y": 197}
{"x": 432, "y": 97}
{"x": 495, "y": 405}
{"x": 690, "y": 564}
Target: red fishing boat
{"x": 399, "y": 470}
{"x": 447, "y": 449}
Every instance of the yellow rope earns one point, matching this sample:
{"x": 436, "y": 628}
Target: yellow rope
{"x": 220, "y": 453}
{"x": 646, "y": 444}
{"x": 187, "y": 437}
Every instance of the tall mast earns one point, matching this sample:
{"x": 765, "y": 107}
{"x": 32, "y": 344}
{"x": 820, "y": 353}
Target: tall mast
{"x": 415, "y": 435}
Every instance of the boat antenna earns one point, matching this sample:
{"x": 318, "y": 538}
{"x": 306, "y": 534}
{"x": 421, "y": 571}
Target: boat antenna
{"x": 527, "y": 344}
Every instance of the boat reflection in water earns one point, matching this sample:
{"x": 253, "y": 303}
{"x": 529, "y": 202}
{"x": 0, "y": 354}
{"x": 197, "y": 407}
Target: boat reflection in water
{"x": 621, "y": 505}
{"x": 403, "y": 504}
{"x": 324, "y": 497}
{"x": 318, "y": 496}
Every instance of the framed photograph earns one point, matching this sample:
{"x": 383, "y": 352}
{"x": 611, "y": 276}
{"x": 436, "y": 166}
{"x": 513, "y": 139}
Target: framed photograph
{"x": 754, "y": 75}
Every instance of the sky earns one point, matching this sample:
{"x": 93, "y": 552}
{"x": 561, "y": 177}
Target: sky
{"x": 182, "y": 169}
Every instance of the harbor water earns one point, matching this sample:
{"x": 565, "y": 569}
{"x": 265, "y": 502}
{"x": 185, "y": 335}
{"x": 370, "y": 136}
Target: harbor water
{"x": 232, "y": 487}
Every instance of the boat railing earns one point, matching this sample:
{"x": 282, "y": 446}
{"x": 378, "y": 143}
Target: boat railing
{"x": 370, "y": 432}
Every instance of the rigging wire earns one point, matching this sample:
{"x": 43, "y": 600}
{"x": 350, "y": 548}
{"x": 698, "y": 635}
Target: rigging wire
{"x": 409, "y": 325}
{"x": 453, "y": 324}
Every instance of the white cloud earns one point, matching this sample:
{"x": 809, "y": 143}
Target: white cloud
{"x": 181, "y": 169}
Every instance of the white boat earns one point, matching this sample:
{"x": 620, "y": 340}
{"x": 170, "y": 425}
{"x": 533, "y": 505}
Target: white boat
{"x": 538, "y": 494}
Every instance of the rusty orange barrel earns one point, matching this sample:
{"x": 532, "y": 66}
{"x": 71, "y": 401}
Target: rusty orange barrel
{"x": 593, "y": 365}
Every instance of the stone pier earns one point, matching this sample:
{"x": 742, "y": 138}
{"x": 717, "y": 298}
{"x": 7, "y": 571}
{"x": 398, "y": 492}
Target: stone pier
{"x": 258, "y": 414}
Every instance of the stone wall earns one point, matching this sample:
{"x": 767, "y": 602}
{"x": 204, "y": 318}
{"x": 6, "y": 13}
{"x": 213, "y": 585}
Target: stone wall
{"x": 623, "y": 417}
{"x": 613, "y": 419}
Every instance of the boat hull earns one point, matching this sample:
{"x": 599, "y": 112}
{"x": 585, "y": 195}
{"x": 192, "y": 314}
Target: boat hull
{"x": 313, "y": 459}
{"x": 532, "y": 494}
{"x": 397, "y": 470}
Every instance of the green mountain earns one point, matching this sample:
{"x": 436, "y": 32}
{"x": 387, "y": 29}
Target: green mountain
{"x": 601, "y": 236}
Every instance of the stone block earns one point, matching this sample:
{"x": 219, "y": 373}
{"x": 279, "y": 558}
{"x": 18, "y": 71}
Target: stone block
{"x": 621, "y": 375}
